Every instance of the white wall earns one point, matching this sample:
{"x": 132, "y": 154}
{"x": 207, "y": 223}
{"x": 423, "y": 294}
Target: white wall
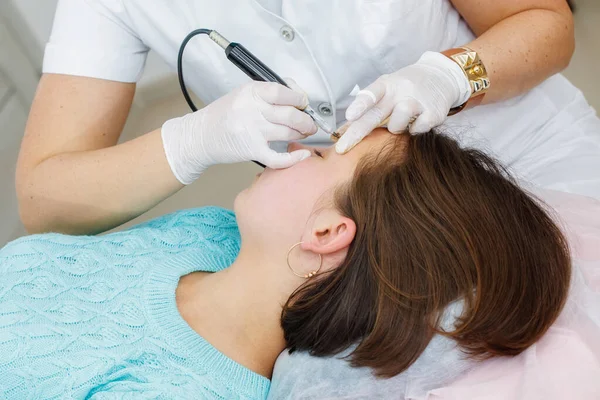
{"x": 584, "y": 67}
{"x": 18, "y": 79}
{"x": 37, "y": 15}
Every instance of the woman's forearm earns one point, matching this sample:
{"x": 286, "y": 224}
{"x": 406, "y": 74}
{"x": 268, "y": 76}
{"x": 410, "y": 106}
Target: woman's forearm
{"x": 92, "y": 191}
{"x": 523, "y": 49}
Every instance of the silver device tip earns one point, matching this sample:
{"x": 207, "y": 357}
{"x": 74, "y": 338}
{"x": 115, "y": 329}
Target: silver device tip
{"x": 318, "y": 120}
{"x": 219, "y": 39}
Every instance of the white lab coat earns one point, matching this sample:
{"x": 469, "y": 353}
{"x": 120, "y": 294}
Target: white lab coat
{"x": 549, "y": 136}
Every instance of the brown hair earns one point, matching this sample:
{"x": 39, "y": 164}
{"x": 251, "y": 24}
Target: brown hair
{"x": 435, "y": 224}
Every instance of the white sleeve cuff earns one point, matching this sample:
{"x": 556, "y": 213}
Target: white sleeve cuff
{"x": 95, "y": 63}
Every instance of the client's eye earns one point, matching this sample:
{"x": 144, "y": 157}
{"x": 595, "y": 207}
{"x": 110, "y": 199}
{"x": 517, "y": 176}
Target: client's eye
{"x": 318, "y": 153}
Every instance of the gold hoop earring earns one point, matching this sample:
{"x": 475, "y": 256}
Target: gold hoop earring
{"x": 310, "y": 274}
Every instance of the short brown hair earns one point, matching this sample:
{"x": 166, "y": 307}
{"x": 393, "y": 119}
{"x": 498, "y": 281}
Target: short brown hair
{"x": 435, "y": 224}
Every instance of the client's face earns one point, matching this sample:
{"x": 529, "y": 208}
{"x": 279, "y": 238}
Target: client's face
{"x": 276, "y": 209}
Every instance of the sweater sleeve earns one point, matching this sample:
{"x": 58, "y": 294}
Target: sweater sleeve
{"x": 192, "y": 230}
{"x": 214, "y": 229}
{"x": 214, "y": 217}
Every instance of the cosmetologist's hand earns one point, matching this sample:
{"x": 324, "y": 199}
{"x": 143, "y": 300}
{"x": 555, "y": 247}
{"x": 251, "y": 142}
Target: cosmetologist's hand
{"x": 417, "y": 97}
{"x": 238, "y": 127}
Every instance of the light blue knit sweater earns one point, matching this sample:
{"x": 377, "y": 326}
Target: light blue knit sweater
{"x": 96, "y": 318}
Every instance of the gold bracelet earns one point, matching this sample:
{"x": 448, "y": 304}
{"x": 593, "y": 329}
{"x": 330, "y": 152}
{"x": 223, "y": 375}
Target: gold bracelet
{"x": 474, "y": 69}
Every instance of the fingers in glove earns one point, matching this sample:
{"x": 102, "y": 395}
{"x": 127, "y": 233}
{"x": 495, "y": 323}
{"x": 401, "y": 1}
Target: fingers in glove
{"x": 275, "y": 160}
{"x": 425, "y": 122}
{"x": 360, "y": 128}
{"x": 366, "y": 99}
{"x": 281, "y": 133}
{"x": 278, "y": 94}
{"x": 292, "y": 118}
{"x": 405, "y": 112}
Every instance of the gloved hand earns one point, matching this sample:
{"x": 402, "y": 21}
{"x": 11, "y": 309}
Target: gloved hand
{"x": 423, "y": 92}
{"x": 238, "y": 127}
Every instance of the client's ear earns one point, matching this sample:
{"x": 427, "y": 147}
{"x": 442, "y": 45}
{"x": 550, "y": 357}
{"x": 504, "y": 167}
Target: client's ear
{"x": 329, "y": 233}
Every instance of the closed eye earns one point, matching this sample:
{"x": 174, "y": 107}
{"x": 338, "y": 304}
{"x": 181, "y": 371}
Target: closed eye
{"x": 318, "y": 153}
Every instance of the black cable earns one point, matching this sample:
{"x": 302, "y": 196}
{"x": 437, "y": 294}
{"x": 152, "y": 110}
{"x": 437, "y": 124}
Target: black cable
{"x": 180, "y": 65}
{"x": 184, "y": 90}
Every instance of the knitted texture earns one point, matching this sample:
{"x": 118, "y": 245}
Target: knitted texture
{"x": 95, "y": 317}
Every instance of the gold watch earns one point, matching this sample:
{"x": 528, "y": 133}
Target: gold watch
{"x": 468, "y": 60}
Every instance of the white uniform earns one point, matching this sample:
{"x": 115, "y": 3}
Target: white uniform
{"x": 549, "y": 136}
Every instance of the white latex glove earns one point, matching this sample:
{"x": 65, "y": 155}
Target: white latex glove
{"x": 238, "y": 127}
{"x": 423, "y": 92}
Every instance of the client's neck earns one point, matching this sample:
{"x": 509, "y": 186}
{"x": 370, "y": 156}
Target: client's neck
{"x": 238, "y": 310}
